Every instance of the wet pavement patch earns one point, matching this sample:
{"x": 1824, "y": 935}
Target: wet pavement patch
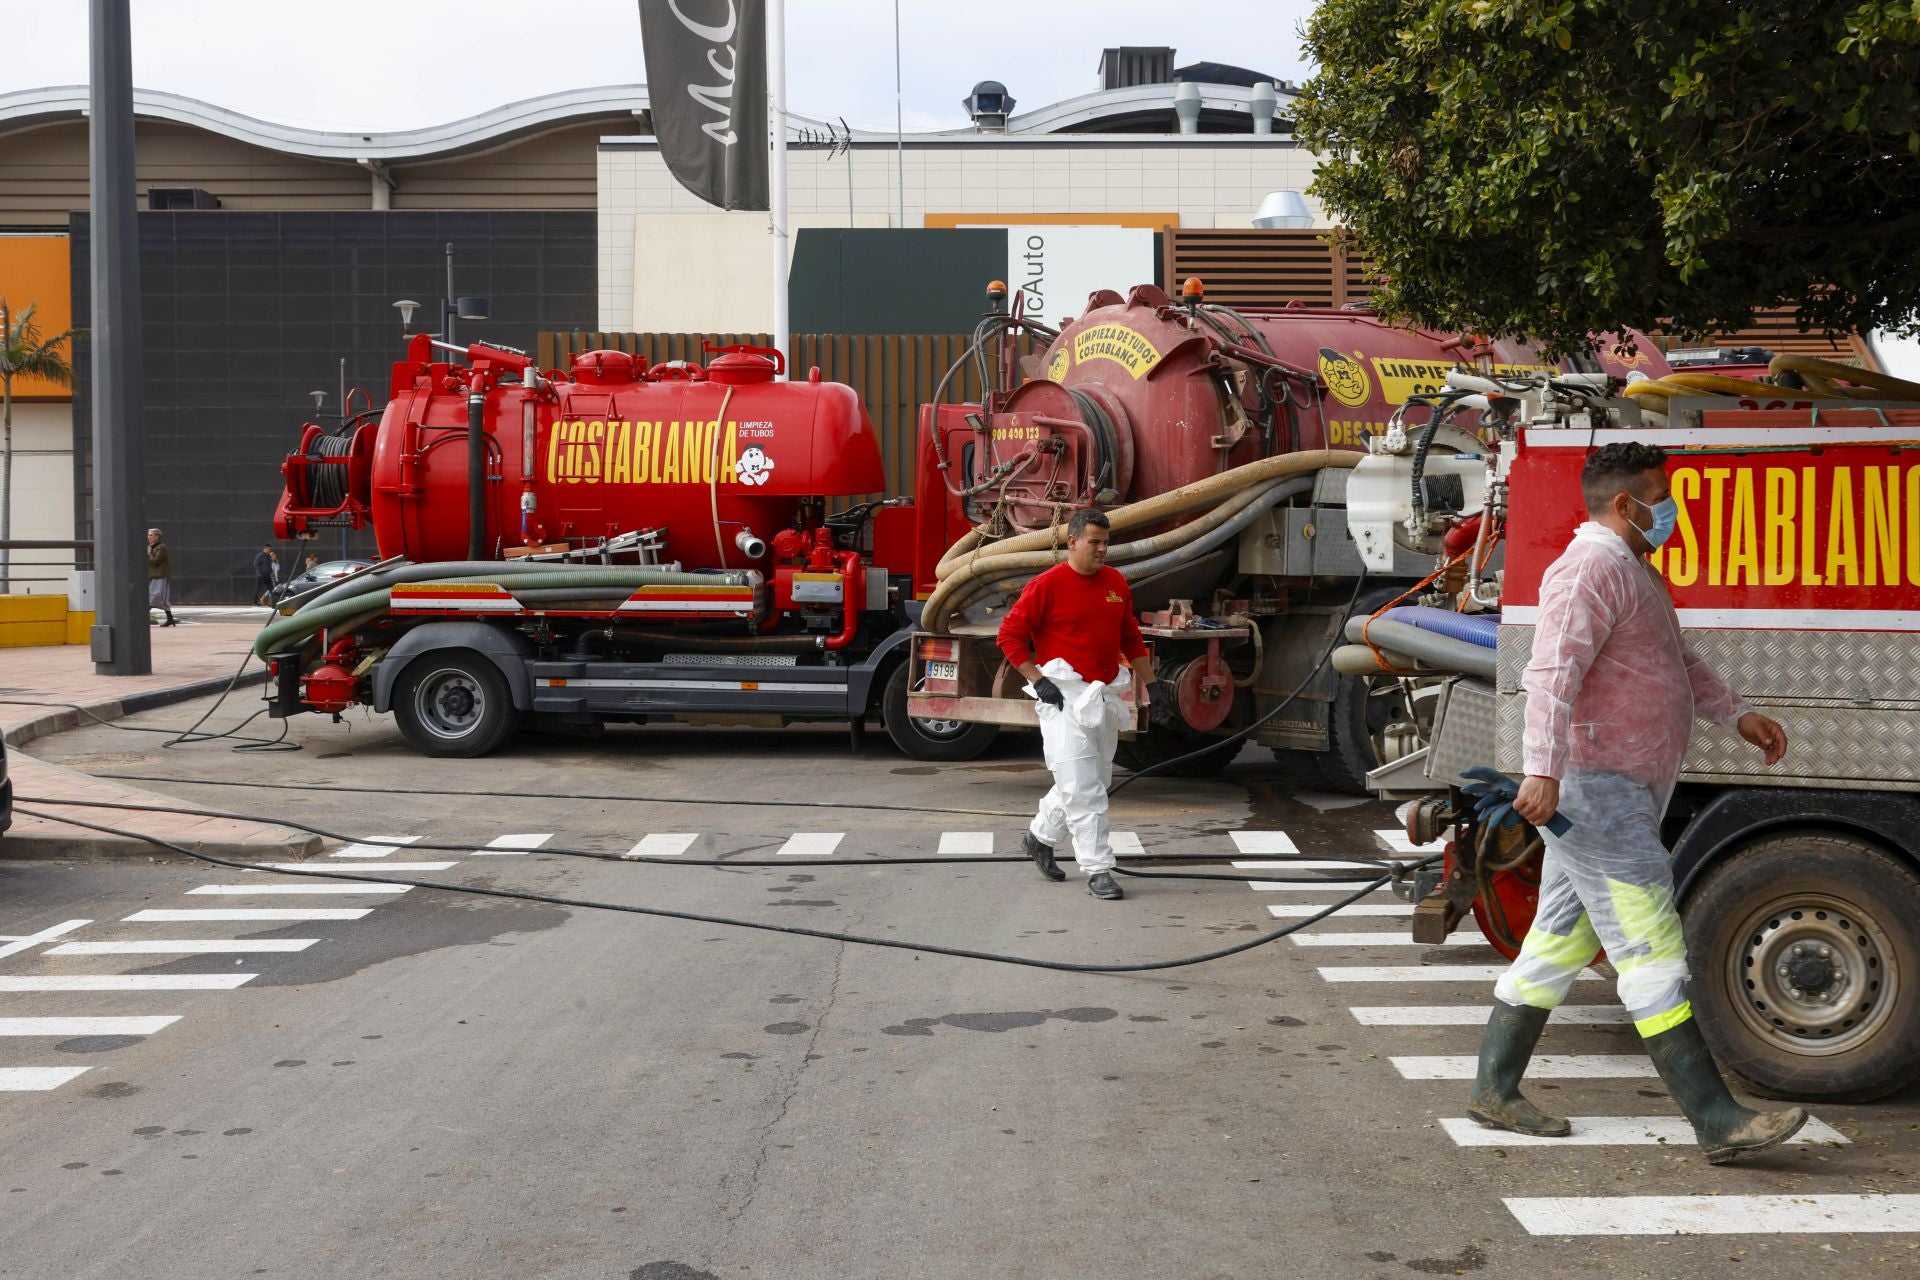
{"x": 96, "y": 1044}
{"x": 1008, "y": 1021}
{"x": 785, "y": 1028}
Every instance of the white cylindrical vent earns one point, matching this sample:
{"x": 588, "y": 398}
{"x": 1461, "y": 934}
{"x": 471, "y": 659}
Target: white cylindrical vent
{"x": 1186, "y": 105}
{"x": 1261, "y": 102}
{"x": 1283, "y": 209}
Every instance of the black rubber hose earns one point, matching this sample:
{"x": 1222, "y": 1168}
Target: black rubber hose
{"x": 892, "y": 944}
{"x": 476, "y": 475}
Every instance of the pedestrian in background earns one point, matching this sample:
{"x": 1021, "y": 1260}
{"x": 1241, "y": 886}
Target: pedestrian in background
{"x": 159, "y": 576}
{"x": 266, "y": 574}
{"x": 1067, "y": 634}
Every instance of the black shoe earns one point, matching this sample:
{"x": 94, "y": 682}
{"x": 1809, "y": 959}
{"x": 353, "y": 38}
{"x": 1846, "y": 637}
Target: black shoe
{"x": 1101, "y": 884}
{"x": 1042, "y": 856}
{"x": 169, "y": 623}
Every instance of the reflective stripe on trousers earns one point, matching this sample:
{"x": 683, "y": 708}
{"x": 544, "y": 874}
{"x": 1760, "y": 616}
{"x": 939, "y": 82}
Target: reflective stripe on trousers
{"x": 1607, "y": 883}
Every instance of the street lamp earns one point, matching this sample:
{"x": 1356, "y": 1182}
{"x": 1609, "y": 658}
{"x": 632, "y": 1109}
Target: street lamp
{"x": 452, "y": 307}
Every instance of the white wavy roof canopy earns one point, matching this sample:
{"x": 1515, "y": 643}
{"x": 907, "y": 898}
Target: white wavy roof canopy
{"x": 34, "y": 107}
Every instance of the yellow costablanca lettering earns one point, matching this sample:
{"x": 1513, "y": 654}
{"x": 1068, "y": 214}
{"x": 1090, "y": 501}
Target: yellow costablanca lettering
{"x": 1777, "y": 556}
{"x": 1912, "y": 492}
{"x": 1743, "y": 551}
{"x": 1882, "y": 532}
{"x": 619, "y": 452}
{"x": 1843, "y": 562}
{"x": 1683, "y": 566}
{"x": 670, "y": 465}
{"x": 596, "y": 431}
{"x": 1117, "y": 343}
{"x": 1843, "y": 526}
{"x": 1716, "y": 494}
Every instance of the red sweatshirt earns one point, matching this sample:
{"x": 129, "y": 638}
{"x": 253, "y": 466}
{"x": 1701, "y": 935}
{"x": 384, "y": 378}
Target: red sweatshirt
{"x": 1085, "y": 618}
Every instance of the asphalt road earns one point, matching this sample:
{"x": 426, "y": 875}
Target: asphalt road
{"x": 452, "y": 1085}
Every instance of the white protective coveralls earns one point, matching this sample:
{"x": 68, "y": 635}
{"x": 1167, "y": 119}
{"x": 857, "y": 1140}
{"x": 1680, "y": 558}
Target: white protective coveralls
{"x": 1612, "y": 693}
{"x": 1077, "y": 741}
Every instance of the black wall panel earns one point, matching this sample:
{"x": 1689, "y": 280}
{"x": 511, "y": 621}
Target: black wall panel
{"x": 243, "y": 314}
{"x": 862, "y": 280}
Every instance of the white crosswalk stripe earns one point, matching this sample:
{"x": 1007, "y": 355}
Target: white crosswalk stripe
{"x": 374, "y": 847}
{"x": 1473, "y": 1015}
{"x": 1714, "y": 1215}
{"x": 1427, "y": 973}
{"x": 129, "y": 982}
{"x": 512, "y": 846}
{"x": 811, "y": 844}
{"x": 36, "y": 1079}
{"x": 180, "y": 946}
{"x": 1324, "y": 885}
{"x": 255, "y": 890}
{"x": 1399, "y": 843}
{"x": 1382, "y": 939}
{"x": 85, "y": 1026}
{"x": 1126, "y": 844}
{"x": 1264, "y": 844}
{"x": 1544, "y": 1066}
{"x": 179, "y": 915}
{"x": 16, "y": 945}
{"x": 1300, "y": 910}
{"x": 974, "y": 844}
{"x": 1613, "y": 1131}
{"x": 663, "y": 844}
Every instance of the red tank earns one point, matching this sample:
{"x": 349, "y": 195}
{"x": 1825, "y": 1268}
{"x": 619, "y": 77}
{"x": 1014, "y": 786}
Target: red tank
{"x": 721, "y": 457}
{"x": 1143, "y": 394}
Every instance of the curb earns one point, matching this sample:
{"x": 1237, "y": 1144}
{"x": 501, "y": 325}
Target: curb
{"x": 89, "y": 846}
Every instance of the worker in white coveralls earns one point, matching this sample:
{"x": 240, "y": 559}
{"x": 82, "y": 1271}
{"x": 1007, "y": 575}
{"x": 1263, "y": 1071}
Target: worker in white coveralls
{"x": 1067, "y": 634}
{"x": 1612, "y": 694}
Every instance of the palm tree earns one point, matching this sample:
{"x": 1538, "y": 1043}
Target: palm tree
{"x": 23, "y": 352}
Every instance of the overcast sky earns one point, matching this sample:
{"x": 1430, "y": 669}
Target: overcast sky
{"x": 389, "y": 64}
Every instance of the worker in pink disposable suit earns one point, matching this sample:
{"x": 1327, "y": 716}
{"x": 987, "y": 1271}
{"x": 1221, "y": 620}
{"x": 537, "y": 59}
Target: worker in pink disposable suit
{"x": 1612, "y": 694}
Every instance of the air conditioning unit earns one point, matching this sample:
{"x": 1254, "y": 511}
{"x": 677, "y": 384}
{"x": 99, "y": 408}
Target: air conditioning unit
{"x": 181, "y": 198}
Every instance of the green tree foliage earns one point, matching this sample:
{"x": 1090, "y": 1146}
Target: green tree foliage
{"x": 1561, "y": 168}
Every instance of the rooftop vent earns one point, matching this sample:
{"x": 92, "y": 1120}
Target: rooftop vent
{"x": 989, "y": 104}
{"x": 181, "y": 198}
{"x": 1126, "y": 67}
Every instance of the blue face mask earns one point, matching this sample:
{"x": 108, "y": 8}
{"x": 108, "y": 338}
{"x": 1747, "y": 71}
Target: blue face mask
{"x": 1666, "y": 514}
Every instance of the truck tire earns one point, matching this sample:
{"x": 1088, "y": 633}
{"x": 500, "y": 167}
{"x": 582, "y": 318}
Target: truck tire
{"x": 1157, "y": 746}
{"x": 454, "y": 703}
{"x": 1358, "y": 715}
{"x": 1841, "y": 918}
{"x": 938, "y": 741}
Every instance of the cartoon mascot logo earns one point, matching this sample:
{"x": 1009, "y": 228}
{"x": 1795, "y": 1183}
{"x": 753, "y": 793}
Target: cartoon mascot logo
{"x": 1345, "y": 378}
{"x": 754, "y": 467}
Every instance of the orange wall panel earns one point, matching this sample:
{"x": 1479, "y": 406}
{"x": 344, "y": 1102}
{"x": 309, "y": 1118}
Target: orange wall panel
{"x": 35, "y": 270}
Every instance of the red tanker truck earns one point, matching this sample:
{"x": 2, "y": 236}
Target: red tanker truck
{"x": 609, "y": 542}
{"x": 1221, "y": 442}
{"x": 1795, "y": 569}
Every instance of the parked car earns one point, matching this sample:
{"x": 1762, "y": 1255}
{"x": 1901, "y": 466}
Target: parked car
{"x": 318, "y": 576}
{"x": 6, "y": 790}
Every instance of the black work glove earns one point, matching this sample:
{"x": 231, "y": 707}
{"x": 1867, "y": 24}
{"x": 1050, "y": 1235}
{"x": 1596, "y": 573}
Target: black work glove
{"x": 1048, "y": 692}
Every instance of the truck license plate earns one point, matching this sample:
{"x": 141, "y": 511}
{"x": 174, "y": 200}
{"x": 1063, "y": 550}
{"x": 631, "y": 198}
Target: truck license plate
{"x": 943, "y": 671}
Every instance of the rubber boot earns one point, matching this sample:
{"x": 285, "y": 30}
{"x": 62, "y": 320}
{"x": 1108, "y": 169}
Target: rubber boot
{"x": 1496, "y": 1101}
{"x": 1726, "y": 1129}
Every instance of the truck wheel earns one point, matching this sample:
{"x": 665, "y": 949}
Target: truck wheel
{"x": 1363, "y": 708}
{"x": 944, "y": 741}
{"x": 1805, "y": 951}
{"x": 454, "y": 703}
{"x": 1157, "y": 746}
